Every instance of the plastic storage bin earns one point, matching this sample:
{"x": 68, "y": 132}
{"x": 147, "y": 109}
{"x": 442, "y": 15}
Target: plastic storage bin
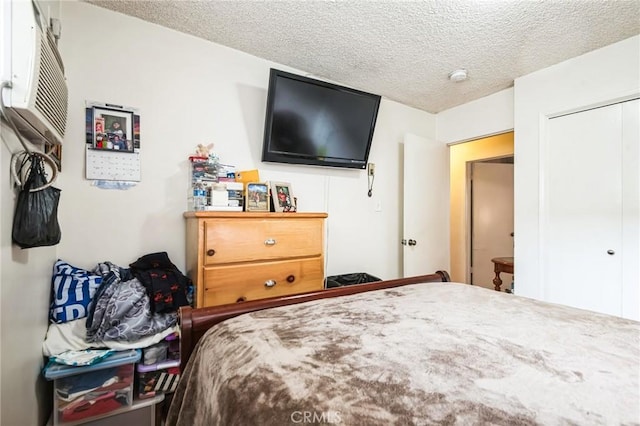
{"x": 157, "y": 379}
{"x": 83, "y": 393}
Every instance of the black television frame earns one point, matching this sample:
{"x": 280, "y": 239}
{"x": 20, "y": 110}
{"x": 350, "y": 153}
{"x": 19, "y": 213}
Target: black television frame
{"x": 273, "y": 157}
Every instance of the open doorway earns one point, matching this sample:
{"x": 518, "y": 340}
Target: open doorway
{"x": 460, "y": 156}
{"x": 490, "y": 218}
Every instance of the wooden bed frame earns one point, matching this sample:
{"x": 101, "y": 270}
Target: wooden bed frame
{"x": 195, "y": 322}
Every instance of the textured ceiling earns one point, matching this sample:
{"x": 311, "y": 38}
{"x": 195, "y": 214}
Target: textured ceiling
{"x": 403, "y": 51}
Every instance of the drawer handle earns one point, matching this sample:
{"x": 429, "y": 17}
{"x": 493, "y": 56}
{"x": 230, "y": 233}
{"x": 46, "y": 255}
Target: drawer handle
{"x": 291, "y": 278}
{"x": 269, "y": 242}
{"x": 241, "y": 299}
{"x": 269, "y": 283}
{"x": 211, "y": 252}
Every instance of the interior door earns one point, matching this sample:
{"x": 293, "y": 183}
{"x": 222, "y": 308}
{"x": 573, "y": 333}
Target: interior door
{"x": 582, "y": 210}
{"x": 491, "y": 220}
{"x": 425, "y": 206}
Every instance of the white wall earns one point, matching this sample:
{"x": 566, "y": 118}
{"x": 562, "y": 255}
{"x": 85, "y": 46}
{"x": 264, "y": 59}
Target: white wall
{"x": 486, "y": 116}
{"x": 25, "y": 277}
{"x": 361, "y": 239}
{"x": 25, "y": 283}
{"x": 597, "y": 78}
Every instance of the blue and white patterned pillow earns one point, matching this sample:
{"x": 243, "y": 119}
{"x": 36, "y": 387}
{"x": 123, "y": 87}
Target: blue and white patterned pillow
{"x": 73, "y": 289}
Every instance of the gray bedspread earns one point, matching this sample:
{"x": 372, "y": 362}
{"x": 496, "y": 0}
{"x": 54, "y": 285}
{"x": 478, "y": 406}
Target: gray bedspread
{"x": 437, "y": 353}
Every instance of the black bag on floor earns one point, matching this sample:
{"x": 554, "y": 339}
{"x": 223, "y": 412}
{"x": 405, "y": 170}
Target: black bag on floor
{"x": 350, "y": 279}
{"x": 35, "y": 222}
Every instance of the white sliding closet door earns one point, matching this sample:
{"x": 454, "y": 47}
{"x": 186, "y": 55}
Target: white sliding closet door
{"x": 631, "y": 210}
{"x": 584, "y": 202}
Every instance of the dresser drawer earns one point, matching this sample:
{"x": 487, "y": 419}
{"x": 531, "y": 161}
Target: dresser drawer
{"x": 230, "y": 284}
{"x": 229, "y": 240}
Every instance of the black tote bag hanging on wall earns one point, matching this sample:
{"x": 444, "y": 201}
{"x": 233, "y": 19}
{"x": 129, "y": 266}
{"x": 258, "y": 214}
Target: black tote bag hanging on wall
{"x": 35, "y": 223}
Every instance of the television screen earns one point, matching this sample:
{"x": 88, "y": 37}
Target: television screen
{"x": 314, "y": 122}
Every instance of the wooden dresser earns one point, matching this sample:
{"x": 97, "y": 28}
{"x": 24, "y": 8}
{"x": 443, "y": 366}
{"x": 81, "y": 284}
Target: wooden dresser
{"x": 238, "y": 256}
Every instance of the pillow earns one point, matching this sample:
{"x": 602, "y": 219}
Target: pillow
{"x": 73, "y": 288}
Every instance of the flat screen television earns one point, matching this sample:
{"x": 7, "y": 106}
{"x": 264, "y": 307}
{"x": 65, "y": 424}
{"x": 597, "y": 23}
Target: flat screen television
{"x": 318, "y": 123}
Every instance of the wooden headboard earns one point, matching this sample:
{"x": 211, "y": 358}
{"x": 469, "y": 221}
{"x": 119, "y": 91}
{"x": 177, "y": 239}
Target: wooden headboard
{"x": 195, "y": 322}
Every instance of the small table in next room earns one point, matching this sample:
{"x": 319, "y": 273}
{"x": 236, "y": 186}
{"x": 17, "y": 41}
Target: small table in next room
{"x": 501, "y": 264}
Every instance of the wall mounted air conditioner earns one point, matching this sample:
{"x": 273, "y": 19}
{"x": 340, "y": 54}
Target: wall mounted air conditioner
{"x": 37, "y": 98}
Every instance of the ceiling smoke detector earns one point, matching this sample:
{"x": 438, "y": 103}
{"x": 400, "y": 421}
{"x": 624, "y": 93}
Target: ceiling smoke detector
{"x": 458, "y": 75}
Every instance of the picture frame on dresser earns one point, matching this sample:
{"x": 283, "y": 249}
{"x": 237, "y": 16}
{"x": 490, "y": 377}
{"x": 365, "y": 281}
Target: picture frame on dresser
{"x": 282, "y": 197}
{"x": 257, "y": 197}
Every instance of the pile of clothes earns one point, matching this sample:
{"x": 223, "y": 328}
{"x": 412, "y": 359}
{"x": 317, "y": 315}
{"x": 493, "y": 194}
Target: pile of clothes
{"x": 119, "y": 306}
{"x": 88, "y": 395}
{"x": 136, "y": 302}
{"x": 115, "y": 308}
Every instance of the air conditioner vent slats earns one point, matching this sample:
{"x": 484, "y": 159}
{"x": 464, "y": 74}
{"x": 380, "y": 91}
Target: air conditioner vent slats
{"x": 51, "y": 93}
{"x": 38, "y": 98}
{"x": 54, "y": 49}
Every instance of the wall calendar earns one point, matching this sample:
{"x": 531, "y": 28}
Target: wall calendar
{"x": 112, "y": 165}
{"x": 112, "y": 142}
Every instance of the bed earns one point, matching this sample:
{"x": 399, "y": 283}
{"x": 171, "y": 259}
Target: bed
{"x": 418, "y": 351}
